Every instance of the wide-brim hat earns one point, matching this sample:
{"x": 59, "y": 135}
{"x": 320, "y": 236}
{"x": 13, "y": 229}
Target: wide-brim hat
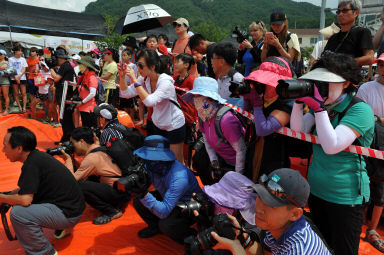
{"x": 248, "y": 213}
{"x": 106, "y": 111}
{"x": 156, "y": 148}
{"x": 89, "y": 62}
{"x": 204, "y": 86}
{"x": 60, "y": 53}
{"x": 271, "y": 71}
{"x": 322, "y": 74}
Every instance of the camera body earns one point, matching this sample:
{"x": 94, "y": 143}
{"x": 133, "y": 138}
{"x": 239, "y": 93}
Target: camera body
{"x": 52, "y": 60}
{"x": 72, "y": 106}
{"x": 201, "y": 203}
{"x": 244, "y": 87}
{"x": 293, "y": 89}
{"x": 67, "y": 146}
{"x": 240, "y": 35}
{"x": 136, "y": 181}
{"x": 222, "y": 225}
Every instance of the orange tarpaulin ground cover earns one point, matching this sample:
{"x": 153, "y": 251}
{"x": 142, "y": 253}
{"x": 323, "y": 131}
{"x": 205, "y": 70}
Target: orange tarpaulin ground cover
{"x": 117, "y": 237}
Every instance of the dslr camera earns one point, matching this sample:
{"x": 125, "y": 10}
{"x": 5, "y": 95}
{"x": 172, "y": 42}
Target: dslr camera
{"x": 222, "y": 225}
{"x": 67, "y": 146}
{"x": 293, "y": 89}
{"x": 200, "y": 203}
{"x": 72, "y": 106}
{"x": 240, "y": 35}
{"x": 244, "y": 87}
{"x": 137, "y": 180}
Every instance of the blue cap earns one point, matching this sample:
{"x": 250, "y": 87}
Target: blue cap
{"x": 3, "y": 52}
{"x": 204, "y": 86}
{"x": 156, "y": 148}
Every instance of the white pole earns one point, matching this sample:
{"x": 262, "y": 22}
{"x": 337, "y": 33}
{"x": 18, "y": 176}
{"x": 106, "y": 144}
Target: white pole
{"x": 63, "y": 98}
{"x": 322, "y": 17}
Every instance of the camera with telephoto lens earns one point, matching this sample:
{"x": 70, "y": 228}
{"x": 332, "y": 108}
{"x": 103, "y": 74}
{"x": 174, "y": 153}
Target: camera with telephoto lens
{"x": 222, "y": 225}
{"x": 239, "y": 88}
{"x": 293, "y": 89}
{"x": 66, "y": 146}
{"x": 4, "y": 208}
{"x": 200, "y": 203}
{"x": 240, "y": 35}
{"x": 137, "y": 180}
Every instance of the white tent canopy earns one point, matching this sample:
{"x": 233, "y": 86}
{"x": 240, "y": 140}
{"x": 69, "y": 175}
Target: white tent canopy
{"x": 74, "y": 45}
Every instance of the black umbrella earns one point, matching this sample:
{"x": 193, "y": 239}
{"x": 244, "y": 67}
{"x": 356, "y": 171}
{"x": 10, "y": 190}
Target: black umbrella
{"x": 141, "y": 18}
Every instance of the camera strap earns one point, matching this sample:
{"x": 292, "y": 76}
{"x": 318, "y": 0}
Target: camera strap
{"x": 3, "y": 212}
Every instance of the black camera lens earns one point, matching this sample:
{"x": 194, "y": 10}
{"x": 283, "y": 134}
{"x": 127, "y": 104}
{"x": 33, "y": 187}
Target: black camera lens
{"x": 239, "y": 88}
{"x": 292, "y": 89}
{"x": 66, "y": 146}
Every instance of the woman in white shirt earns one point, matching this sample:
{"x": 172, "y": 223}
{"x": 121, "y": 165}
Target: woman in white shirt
{"x": 156, "y": 90}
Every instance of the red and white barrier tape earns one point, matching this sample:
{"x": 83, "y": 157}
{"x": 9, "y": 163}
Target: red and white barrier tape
{"x": 292, "y": 133}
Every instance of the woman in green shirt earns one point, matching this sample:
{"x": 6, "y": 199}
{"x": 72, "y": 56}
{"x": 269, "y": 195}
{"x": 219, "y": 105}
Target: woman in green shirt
{"x": 338, "y": 179}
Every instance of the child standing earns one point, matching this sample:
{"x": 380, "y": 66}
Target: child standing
{"x": 4, "y": 83}
{"x": 19, "y": 81}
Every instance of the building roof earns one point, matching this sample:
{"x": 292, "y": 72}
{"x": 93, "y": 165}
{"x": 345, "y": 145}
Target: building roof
{"x": 305, "y": 31}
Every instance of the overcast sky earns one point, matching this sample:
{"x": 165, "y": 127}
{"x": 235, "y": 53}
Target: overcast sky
{"x": 79, "y": 5}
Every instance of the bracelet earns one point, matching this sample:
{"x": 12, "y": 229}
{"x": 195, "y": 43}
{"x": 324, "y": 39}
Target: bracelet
{"x": 137, "y": 85}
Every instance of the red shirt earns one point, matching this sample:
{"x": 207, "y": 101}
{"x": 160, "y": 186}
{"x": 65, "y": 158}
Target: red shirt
{"x": 32, "y": 62}
{"x": 188, "y": 109}
{"x": 88, "y": 81}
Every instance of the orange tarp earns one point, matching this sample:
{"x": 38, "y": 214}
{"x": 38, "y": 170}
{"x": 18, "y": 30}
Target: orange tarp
{"x": 116, "y": 237}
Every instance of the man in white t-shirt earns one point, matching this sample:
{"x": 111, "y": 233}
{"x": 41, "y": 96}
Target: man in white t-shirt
{"x": 19, "y": 64}
{"x": 373, "y": 94}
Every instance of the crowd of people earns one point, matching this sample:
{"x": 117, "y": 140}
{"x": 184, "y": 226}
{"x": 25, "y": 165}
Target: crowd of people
{"x": 250, "y": 200}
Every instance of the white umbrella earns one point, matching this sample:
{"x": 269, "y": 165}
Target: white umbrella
{"x": 143, "y": 17}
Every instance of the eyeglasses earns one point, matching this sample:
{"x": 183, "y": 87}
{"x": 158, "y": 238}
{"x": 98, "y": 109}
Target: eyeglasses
{"x": 140, "y": 65}
{"x": 344, "y": 11}
{"x": 276, "y": 190}
{"x": 177, "y": 25}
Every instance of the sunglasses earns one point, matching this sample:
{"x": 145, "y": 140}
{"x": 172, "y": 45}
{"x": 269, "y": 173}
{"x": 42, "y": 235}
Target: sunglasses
{"x": 140, "y": 65}
{"x": 177, "y": 25}
{"x": 344, "y": 11}
{"x": 276, "y": 190}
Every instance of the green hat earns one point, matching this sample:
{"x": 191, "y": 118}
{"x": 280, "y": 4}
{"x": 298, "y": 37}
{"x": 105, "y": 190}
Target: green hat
{"x": 89, "y": 62}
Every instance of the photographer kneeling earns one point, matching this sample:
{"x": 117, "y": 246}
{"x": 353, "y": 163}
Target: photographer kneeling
{"x": 100, "y": 195}
{"x": 173, "y": 183}
{"x": 48, "y": 196}
{"x": 282, "y": 196}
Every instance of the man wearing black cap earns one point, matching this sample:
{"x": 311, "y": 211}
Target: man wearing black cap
{"x": 282, "y": 195}
{"x": 65, "y": 73}
{"x": 351, "y": 40}
{"x": 109, "y": 122}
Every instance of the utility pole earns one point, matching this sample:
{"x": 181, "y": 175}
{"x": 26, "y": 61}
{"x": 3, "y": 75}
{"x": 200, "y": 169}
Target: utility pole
{"x": 322, "y": 17}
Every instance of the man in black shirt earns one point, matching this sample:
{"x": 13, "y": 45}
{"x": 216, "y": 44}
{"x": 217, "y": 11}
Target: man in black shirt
{"x": 48, "y": 194}
{"x": 198, "y": 43}
{"x": 65, "y": 73}
{"x": 351, "y": 40}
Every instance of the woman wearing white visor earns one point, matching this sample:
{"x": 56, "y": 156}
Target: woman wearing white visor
{"x": 338, "y": 179}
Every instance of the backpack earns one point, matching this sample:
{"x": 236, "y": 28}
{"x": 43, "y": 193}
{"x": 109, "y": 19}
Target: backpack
{"x": 101, "y": 93}
{"x": 121, "y": 150}
{"x": 374, "y": 166}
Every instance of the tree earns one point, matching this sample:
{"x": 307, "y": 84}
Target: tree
{"x": 210, "y": 31}
{"x": 112, "y": 40}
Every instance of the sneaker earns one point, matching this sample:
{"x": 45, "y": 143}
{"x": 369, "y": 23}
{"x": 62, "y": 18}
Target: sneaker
{"x": 61, "y": 233}
{"x": 148, "y": 232}
{"x": 104, "y": 219}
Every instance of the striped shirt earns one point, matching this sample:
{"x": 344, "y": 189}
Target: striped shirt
{"x": 109, "y": 132}
{"x": 299, "y": 238}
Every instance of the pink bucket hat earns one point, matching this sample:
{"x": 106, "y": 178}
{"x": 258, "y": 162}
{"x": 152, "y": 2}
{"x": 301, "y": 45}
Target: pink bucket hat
{"x": 271, "y": 71}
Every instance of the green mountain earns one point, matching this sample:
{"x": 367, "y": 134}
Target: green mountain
{"x": 225, "y": 14}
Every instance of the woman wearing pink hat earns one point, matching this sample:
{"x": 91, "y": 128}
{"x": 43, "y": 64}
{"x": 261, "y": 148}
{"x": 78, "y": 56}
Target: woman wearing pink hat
{"x": 270, "y": 112}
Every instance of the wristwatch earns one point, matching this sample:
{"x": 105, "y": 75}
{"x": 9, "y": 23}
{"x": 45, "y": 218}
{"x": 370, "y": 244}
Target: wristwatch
{"x": 137, "y": 85}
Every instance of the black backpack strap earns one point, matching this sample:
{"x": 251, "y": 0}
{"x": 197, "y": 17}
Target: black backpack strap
{"x": 175, "y": 103}
{"x": 125, "y": 134}
{"x": 354, "y": 101}
{"x": 219, "y": 115}
{"x": 101, "y": 148}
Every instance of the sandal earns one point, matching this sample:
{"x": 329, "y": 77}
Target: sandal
{"x": 377, "y": 242}
{"x": 104, "y": 219}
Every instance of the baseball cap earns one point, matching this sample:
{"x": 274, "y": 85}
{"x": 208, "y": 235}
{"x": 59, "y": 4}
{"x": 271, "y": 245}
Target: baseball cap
{"x": 106, "y": 111}
{"x": 283, "y": 186}
{"x": 278, "y": 17}
{"x": 76, "y": 57}
{"x": 181, "y": 21}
